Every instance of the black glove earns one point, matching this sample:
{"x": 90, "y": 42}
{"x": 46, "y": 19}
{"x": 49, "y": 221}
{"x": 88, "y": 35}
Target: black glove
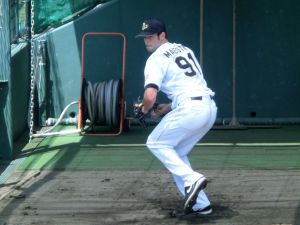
{"x": 137, "y": 111}
{"x": 141, "y": 118}
{"x": 155, "y": 105}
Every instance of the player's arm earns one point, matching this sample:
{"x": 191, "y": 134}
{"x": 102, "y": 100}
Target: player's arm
{"x": 149, "y": 99}
{"x": 154, "y": 75}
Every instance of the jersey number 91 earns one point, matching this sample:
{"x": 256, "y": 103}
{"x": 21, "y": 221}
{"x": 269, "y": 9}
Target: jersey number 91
{"x": 188, "y": 64}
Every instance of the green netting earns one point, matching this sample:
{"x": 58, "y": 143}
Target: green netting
{"x": 53, "y": 13}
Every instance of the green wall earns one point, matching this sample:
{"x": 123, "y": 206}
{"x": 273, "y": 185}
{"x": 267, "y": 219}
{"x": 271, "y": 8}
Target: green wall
{"x": 103, "y": 54}
{"x": 6, "y": 142}
{"x": 63, "y": 52}
{"x": 268, "y": 53}
{"x": 14, "y": 100}
{"x": 217, "y": 48}
{"x": 20, "y": 87}
{"x": 267, "y": 49}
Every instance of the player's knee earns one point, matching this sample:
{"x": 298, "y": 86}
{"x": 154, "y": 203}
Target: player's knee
{"x": 151, "y": 145}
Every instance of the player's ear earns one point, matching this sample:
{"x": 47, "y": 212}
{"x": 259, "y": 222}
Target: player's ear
{"x": 162, "y": 36}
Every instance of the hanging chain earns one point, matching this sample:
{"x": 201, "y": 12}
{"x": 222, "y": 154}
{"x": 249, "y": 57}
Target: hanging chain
{"x": 32, "y": 72}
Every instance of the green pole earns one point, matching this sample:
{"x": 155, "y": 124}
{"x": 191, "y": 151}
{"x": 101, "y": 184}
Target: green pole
{"x": 6, "y": 140}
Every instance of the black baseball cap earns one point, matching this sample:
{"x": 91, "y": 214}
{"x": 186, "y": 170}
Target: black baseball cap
{"x": 151, "y": 26}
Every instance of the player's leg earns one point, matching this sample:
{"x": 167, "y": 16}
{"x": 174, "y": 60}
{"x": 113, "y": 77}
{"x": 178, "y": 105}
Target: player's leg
{"x": 202, "y": 200}
{"x": 175, "y": 127}
{"x": 186, "y": 146}
{"x": 178, "y": 181}
{"x": 168, "y": 134}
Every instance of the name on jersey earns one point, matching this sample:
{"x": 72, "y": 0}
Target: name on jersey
{"x": 173, "y": 51}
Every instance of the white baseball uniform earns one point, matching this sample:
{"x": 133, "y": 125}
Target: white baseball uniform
{"x": 174, "y": 70}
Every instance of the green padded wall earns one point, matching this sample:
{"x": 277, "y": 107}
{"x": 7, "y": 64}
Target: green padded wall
{"x": 63, "y": 64}
{"x": 6, "y": 140}
{"x": 217, "y": 60}
{"x": 20, "y": 85}
{"x": 267, "y": 49}
{"x": 268, "y": 52}
{"x": 103, "y": 54}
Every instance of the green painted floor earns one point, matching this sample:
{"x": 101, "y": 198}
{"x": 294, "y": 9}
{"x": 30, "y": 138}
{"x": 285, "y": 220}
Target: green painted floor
{"x": 277, "y": 148}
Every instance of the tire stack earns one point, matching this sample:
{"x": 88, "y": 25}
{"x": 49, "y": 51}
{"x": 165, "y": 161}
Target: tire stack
{"x": 102, "y": 102}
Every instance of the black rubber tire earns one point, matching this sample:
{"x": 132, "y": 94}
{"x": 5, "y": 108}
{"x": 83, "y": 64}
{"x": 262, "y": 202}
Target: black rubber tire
{"x": 116, "y": 111}
{"x": 108, "y": 103}
{"x": 89, "y": 98}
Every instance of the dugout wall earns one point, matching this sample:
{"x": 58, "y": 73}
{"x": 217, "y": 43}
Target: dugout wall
{"x": 266, "y": 47}
{"x": 267, "y": 51}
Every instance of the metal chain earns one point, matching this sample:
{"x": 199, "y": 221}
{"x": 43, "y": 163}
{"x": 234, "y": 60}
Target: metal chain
{"x": 32, "y": 72}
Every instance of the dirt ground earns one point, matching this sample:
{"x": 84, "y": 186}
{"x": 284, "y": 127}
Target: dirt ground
{"x": 261, "y": 197}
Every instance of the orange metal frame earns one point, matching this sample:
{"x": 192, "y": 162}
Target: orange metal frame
{"x": 80, "y": 119}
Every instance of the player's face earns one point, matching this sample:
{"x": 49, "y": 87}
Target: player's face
{"x": 152, "y": 42}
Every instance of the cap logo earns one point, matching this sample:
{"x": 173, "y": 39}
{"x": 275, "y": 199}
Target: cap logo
{"x": 145, "y": 26}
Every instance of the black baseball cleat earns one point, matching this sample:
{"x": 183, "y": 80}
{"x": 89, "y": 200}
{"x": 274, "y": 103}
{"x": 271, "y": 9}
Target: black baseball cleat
{"x": 200, "y": 212}
{"x": 205, "y": 211}
{"x": 192, "y": 193}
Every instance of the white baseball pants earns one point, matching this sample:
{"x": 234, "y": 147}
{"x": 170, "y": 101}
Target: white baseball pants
{"x": 175, "y": 136}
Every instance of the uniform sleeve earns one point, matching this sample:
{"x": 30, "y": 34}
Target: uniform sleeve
{"x": 154, "y": 72}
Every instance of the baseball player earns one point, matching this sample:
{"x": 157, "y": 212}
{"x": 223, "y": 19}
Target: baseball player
{"x": 174, "y": 70}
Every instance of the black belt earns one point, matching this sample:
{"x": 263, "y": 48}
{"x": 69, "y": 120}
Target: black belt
{"x": 198, "y": 98}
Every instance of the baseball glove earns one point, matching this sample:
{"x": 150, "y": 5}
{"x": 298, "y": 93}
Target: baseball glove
{"x": 137, "y": 111}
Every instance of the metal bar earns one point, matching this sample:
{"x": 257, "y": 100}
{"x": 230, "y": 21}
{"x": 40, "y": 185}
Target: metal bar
{"x": 201, "y": 32}
{"x": 234, "y": 121}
